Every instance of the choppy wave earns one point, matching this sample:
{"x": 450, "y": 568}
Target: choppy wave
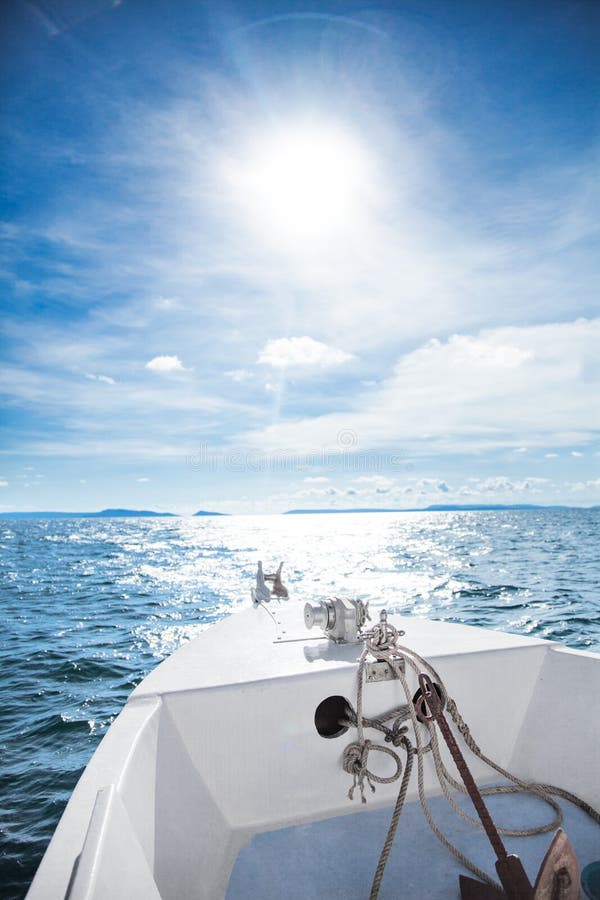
{"x": 88, "y": 607}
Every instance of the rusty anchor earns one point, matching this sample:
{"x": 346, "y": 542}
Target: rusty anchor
{"x": 558, "y": 877}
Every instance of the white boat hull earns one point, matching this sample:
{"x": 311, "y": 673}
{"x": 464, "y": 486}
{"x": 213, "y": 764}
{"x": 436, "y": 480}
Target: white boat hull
{"x": 219, "y": 744}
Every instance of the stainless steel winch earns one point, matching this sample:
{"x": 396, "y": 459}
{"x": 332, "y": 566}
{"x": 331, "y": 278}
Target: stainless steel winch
{"x": 340, "y": 618}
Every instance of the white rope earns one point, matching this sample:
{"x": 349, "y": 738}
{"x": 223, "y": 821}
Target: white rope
{"x": 383, "y": 645}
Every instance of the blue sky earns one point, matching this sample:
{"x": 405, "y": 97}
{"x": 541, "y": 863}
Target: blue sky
{"x": 263, "y": 256}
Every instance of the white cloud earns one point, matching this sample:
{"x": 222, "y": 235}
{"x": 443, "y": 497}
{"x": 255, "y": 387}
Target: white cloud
{"x": 551, "y": 456}
{"x": 165, "y": 364}
{"x": 142, "y": 480}
{"x": 576, "y": 453}
{"x": 301, "y": 353}
{"x": 487, "y": 352}
{"x": 535, "y": 384}
{"x": 316, "y": 479}
{"x": 521, "y": 450}
{"x": 3, "y": 483}
{"x": 422, "y": 492}
{"x": 448, "y": 249}
{"x": 431, "y": 485}
{"x": 104, "y": 378}
{"x": 592, "y": 484}
{"x": 503, "y": 485}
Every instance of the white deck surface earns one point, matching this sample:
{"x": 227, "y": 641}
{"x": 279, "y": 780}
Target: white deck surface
{"x": 337, "y": 858}
{"x": 218, "y": 747}
{"x": 270, "y": 643}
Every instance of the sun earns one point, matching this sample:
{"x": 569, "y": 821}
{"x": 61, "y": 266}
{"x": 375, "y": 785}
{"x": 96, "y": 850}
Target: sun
{"x": 302, "y": 183}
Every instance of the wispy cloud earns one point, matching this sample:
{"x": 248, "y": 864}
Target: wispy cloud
{"x": 104, "y": 378}
{"x": 449, "y": 310}
{"x": 239, "y": 375}
{"x": 377, "y": 481}
{"x": 167, "y": 303}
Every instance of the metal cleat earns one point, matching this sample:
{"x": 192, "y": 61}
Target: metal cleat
{"x": 279, "y": 589}
{"x": 260, "y": 593}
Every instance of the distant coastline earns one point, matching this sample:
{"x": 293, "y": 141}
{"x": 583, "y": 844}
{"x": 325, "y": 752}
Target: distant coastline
{"x": 103, "y": 514}
{"x": 148, "y": 513}
{"x": 438, "y": 508}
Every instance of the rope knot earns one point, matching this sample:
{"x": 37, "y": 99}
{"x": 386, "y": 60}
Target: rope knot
{"x": 354, "y": 762}
{"x": 396, "y": 733}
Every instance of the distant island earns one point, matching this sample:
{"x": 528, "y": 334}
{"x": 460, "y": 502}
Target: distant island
{"x": 103, "y": 514}
{"x": 446, "y": 507}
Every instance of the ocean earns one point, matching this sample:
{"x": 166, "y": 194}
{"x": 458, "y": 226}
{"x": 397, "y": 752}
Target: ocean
{"x": 89, "y": 606}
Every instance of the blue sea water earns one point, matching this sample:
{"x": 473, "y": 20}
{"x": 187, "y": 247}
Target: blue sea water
{"x": 90, "y": 606}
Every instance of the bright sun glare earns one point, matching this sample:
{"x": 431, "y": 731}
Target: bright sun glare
{"x": 302, "y": 183}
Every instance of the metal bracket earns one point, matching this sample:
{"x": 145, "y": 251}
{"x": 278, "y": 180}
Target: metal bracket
{"x": 382, "y": 671}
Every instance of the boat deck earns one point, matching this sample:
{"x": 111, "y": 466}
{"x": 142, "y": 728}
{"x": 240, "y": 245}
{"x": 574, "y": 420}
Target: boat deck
{"x": 337, "y": 857}
{"x": 215, "y": 780}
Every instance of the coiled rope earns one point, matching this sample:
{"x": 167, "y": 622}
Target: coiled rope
{"x": 383, "y": 645}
